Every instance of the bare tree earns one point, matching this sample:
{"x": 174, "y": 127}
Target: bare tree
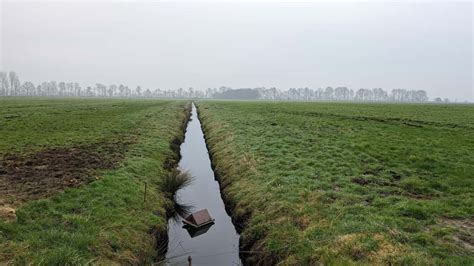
{"x": 62, "y": 88}
{"x": 4, "y": 84}
{"x": 14, "y": 83}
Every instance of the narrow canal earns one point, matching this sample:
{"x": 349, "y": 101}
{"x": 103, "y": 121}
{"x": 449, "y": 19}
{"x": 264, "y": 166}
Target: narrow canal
{"x": 219, "y": 245}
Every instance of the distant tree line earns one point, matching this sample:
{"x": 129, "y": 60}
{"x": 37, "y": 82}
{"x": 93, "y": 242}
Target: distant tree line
{"x": 10, "y": 85}
{"x": 327, "y": 94}
{"x": 344, "y": 94}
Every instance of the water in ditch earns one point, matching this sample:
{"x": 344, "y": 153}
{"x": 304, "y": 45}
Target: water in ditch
{"x": 219, "y": 245}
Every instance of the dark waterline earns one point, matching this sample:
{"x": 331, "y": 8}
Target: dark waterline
{"x": 220, "y": 244}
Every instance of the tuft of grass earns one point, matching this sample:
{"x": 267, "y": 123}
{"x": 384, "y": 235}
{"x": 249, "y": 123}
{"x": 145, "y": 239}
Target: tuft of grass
{"x": 62, "y": 256}
{"x": 174, "y": 181}
{"x": 171, "y": 183}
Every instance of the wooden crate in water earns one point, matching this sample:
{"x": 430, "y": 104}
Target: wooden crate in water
{"x": 198, "y": 219}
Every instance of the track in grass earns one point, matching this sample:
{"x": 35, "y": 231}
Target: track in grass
{"x": 41, "y": 174}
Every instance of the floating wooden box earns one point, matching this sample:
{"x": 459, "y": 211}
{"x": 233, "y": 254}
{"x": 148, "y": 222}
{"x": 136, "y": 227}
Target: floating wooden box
{"x": 198, "y": 219}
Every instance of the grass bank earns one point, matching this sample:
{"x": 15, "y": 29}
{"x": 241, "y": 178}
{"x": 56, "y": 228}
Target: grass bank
{"x": 99, "y": 215}
{"x": 340, "y": 183}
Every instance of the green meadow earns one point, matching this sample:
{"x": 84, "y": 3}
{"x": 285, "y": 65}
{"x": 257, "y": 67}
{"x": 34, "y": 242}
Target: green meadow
{"x": 346, "y": 183}
{"x": 75, "y": 172}
{"x": 306, "y": 183}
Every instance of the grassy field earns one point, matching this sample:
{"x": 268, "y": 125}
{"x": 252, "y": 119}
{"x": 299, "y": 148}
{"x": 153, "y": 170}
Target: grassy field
{"x": 347, "y": 183}
{"x": 75, "y": 172}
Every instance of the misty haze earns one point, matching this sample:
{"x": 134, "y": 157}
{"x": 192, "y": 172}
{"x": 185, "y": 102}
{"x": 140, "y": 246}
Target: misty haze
{"x": 236, "y": 133}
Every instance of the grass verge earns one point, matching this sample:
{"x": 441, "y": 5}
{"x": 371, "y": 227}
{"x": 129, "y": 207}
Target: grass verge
{"x": 339, "y": 183}
{"x": 107, "y": 220}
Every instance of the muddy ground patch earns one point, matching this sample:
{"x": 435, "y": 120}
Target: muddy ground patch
{"x": 464, "y": 232}
{"x": 41, "y": 174}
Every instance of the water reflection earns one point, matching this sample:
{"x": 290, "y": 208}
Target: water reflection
{"x": 179, "y": 211}
{"x": 193, "y": 231}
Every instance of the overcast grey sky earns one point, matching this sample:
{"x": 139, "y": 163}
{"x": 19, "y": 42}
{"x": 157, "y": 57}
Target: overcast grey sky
{"x": 422, "y": 45}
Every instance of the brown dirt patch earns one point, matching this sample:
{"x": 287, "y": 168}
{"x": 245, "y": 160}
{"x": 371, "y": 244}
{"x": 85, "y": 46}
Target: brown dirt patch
{"x": 41, "y": 174}
{"x": 465, "y": 232}
{"x": 7, "y": 213}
